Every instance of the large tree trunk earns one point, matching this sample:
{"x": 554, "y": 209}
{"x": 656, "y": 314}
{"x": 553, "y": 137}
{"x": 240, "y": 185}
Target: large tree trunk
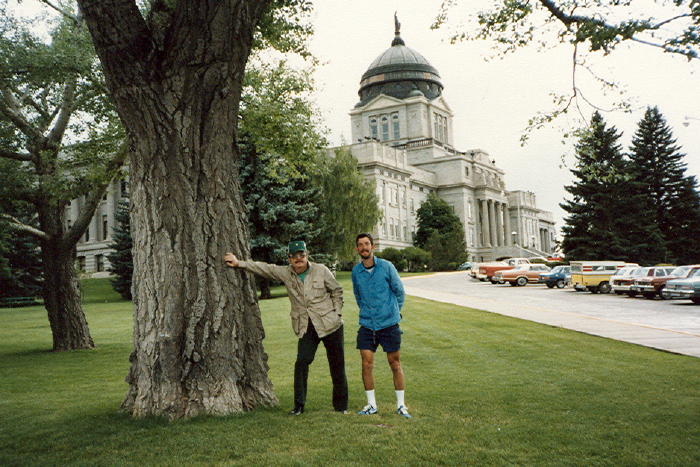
{"x": 69, "y": 327}
{"x": 197, "y": 331}
{"x": 197, "y": 328}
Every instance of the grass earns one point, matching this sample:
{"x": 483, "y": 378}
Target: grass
{"x": 483, "y": 389}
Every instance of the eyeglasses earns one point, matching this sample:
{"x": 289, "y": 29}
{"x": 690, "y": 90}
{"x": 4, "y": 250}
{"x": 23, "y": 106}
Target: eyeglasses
{"x": 298, "y": 255}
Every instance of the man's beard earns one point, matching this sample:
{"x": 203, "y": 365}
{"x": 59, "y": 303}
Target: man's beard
{"x": 366, "y": 255}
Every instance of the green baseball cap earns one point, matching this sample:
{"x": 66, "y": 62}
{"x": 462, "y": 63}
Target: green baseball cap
{"x": 298, "y": 245}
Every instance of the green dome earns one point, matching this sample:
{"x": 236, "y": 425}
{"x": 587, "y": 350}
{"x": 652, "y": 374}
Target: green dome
{"x": 398, "y": 72}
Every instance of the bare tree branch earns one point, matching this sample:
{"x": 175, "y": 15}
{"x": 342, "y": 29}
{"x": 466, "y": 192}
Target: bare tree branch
{"x": 16, "y": 224}
{"x": 88, "y": 209}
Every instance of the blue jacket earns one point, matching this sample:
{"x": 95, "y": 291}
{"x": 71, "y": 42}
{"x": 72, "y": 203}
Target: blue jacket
{"x": 379, "y": 294}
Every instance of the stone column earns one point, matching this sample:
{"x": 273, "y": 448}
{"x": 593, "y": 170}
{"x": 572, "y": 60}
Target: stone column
{"x": 499, "y": 223}
{"x": 112, "y": 204}
{"x": 506, "y": 220}
{"x": 485, "y": 231}
{"x": 492, "y": 222}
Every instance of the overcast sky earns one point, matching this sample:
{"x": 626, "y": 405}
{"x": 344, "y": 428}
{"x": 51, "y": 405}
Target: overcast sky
{"x": 493, "y": 99}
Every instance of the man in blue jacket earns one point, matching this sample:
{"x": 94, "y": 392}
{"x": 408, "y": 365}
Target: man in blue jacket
{"x": 379, "y": 294}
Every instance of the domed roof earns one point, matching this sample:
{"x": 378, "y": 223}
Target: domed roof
{"x": 398, "y": 72}
{"x": 398, "y": 55}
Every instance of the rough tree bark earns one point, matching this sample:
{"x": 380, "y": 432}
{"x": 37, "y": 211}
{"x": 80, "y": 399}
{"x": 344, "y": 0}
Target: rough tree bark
{"x": 69, "y": 327}
{"x": 175, "y": 78}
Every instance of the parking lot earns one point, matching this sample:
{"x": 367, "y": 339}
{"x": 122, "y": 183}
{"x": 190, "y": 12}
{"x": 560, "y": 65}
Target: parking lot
{"x": 671, "y": 325}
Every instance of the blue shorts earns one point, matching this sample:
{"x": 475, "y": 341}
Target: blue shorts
{"x": 389, "y": 338}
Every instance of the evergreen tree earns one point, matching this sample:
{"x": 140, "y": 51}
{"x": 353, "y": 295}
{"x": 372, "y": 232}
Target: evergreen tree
{"x": 120, "y": 259}
{"x": 606, "y": 216}
{"x": 21, "y": 267}
{"x": 435, "y": 215}
{"x": 279, "y": 209}
{"x": 440, "y": 232}
{"x": 278, "y": 144}
{"x": 659, "y": 175}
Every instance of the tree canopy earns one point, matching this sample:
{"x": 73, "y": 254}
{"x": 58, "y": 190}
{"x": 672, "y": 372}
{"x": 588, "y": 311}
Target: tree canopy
{"x": 589, "y": 27}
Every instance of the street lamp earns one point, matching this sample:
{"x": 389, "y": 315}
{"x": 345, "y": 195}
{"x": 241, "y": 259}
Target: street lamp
{"x": 686, "y": 120}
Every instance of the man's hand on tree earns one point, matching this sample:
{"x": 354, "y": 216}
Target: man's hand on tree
{"x": 231, "y": 260}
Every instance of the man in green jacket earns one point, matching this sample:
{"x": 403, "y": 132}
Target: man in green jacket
{"x": 316, "y": 300}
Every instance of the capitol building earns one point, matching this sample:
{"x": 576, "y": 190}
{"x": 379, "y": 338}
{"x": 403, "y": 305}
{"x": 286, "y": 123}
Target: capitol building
{"x": 403, "y": 140}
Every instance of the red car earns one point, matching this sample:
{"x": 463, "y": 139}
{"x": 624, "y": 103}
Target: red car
{"x": 651, "y": 286}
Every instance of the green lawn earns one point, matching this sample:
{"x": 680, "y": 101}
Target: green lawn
{"x": 483, "y": 389}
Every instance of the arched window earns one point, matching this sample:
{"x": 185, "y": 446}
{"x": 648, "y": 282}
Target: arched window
{"x": 395, "y": 125}
{"x": 373, "y": 127}
{"x": 385, "y": 128}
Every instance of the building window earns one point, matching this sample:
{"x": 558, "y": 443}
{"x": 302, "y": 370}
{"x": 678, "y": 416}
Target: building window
{"x": 124, "y": 189}
{"x": 81, "y": 263}
{"x": 466, "y": 171}
{"x": 405, "y": 230}
{"x": 105, "y": 227}
{"x": 373, "y": 127}
{"x": 436, "y": 127}
{"x": 383, "y": 229}
{"x": 385, "y": 128}
{"x": 395, "y": 125}
{"x": 99, "y": 263}
{"x": 87, "y": 234}
{"x": 444, "y": 129}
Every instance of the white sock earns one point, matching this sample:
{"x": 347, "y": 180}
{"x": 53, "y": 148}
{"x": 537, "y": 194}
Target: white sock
{"x": 399, "y": 399}
{"x": 370, "y": 398}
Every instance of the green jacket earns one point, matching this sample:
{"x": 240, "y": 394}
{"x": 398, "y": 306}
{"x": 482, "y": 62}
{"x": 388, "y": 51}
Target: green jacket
{"x": 319, "y": 297}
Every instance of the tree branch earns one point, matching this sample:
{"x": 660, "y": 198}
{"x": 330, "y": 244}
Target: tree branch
{"x": 16, "y": 224}
{"x": 10, "y": 108}
{"x": 73, "y": 234}
{"x": 68, "y": 15}
{"x": 122, "y": 39}
{"x": 66, "y": 110}
{"x": 569, "y": 19}
{"x": 18, "y": 156}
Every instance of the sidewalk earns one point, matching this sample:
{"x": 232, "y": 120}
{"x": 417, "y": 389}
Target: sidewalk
{"x": 646, "y": 334}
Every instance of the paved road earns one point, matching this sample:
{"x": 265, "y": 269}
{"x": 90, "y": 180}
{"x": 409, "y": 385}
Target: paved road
{"x": 671, "y": 325}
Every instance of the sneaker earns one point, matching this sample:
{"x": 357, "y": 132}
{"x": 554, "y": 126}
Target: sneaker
{"x": 403, "y": 411}
{"x": 368, "y": 410}
{"x": 298, "y": 410}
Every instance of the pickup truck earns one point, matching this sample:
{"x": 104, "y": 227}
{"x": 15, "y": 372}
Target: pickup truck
{"x": 488, "y": 270}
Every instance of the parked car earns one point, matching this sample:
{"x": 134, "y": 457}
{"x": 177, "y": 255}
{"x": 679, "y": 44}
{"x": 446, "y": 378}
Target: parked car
{"x": 650, "y": 284}
{"x": 559, "y": 277}
{"x": 595, "y": 275}
{"x": 621, "y": 281}
{"x": 521, "y": 275}
{"x": 487, "y": 270}
{"x": 688, "y": 288}
{"x": 466, "y": 266}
